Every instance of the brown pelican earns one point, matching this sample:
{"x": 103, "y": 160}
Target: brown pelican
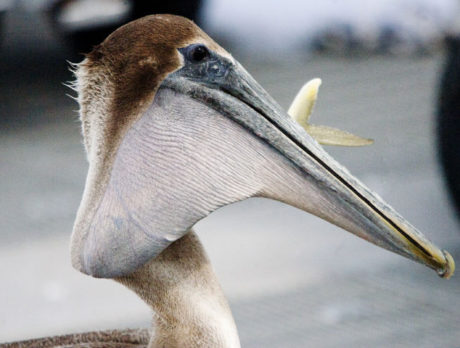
{"x": 174, "y": 128}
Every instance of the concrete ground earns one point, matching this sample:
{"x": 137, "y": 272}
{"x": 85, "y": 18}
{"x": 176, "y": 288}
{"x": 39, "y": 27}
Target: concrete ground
{"x": 292, "y": 279}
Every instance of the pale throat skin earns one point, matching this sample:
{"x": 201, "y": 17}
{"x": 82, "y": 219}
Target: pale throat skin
{"x": 172, "y": 134}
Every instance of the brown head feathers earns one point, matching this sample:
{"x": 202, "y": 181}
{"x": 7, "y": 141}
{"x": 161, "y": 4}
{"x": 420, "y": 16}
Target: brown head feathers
{"x": 139, "y": 55}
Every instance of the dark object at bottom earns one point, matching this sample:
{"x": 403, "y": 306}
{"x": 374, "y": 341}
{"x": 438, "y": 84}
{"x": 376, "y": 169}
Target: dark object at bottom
{"x": 97, "y": 339}
{"x": 448, "y": 122}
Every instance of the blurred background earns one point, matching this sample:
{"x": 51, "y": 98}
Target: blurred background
{"x": 390, "y": 71}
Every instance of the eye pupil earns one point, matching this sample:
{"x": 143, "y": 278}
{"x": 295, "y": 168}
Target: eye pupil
{"x": 199, "y": 53}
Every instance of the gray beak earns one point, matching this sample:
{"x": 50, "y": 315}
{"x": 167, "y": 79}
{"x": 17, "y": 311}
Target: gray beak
{"x": 228, "y": 88}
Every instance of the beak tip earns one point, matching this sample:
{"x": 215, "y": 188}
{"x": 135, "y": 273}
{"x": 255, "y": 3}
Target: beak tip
{"x": 449, "y": 268}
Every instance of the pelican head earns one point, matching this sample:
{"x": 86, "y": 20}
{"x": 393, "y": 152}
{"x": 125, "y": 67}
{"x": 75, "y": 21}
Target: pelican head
{"x": 174, "y": 128}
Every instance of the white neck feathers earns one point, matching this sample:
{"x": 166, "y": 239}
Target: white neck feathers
{"x": 189, "y": 307}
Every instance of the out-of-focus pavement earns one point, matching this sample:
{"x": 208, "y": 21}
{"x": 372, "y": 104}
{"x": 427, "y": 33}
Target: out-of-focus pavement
{"x": 292, "y": 279}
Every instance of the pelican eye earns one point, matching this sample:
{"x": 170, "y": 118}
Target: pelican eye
{"x": 198, "y": 53}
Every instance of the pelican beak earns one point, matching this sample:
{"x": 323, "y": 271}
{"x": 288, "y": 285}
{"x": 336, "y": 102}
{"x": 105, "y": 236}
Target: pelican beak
{"x": 338, "y": 197}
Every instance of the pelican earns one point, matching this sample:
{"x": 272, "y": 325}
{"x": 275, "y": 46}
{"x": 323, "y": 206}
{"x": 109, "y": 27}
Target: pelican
{"x": 175, "y": 128}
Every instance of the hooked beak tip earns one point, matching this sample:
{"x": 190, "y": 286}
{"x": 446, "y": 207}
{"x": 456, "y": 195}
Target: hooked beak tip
{"x": 449, "y": 267}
